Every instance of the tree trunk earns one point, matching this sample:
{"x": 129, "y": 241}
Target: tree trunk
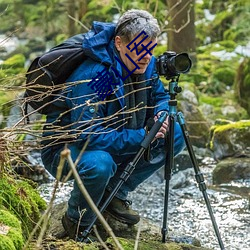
{"x": 181, "y": 27}
{"x": 72, "y": 13}
{"x": 83, "y": 7}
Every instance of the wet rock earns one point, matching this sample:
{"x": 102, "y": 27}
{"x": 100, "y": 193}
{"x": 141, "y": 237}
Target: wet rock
{"x": 231, "y": 169}
{"x": 181, "y": 179}
{"x": 197, "y": 125}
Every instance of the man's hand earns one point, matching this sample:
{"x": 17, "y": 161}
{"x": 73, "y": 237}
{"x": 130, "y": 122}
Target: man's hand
{"x": 164, "y": 128}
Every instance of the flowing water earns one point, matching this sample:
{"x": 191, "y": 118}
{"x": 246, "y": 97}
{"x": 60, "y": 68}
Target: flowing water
{"x": 187, "y": 212}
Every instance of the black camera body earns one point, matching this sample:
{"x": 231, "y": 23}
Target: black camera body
{"x": 171, "y": 65}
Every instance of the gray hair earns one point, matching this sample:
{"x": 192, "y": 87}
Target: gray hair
{"x": 133, "y": 22}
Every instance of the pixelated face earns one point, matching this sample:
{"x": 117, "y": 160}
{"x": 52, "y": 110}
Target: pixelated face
{"x": 137, "y": 51}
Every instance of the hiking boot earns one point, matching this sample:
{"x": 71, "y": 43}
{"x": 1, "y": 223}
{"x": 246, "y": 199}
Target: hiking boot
{"x": 75, "y": 231}
{"x": 121, "y": 211}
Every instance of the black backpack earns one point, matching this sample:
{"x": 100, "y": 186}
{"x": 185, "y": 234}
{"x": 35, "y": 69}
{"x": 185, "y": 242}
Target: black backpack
{"x": 48, "y": 73}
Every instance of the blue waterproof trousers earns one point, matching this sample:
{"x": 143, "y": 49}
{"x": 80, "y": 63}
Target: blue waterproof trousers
{"x": 100, "y": 170}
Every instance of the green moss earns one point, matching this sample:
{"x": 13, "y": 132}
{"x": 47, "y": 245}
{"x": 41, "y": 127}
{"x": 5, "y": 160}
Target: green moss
{"x": 13, "y": 239}
{"x": 236, "y": 125}
{"x": 6, "y": 243}
{"x": 13, "y": 71}
{"x": 212, "y": 100}
{"x": 219, "y": 102}
{"x": 22, "y": 200}
{"x": 239, "y": 128}
{"x": 128, "y": 244}
{"x": 16, "y": 61}
{"x": 228, "y": 45}
{"x": 225, "y": 75}
{"x": 91, "y": 247}
{"x": 16, "y": 237}
{"x": 9, "y": 219}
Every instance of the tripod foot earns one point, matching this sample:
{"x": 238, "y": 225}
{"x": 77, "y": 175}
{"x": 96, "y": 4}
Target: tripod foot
{"x": 164, "y": 232}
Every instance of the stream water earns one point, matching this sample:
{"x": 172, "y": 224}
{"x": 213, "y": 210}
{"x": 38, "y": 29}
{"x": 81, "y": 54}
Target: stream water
{"x": 187, "y": 212}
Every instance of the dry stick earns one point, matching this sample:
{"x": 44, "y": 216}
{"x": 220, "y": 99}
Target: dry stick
{"x": 77, "y": 160}
{"x": 66, "y": 154}
{"x": 77, "y": 21}
{"x": 45, "y": 217}
{"x": 137, "y": 236}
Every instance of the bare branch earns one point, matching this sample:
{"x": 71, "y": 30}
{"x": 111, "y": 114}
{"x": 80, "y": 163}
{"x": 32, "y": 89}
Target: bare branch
{"x": 79, "y": 22}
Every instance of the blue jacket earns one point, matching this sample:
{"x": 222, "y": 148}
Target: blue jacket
{"x": 102, "y": 123}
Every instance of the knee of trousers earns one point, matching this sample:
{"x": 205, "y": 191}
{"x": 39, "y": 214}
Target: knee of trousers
{"x": 179, "y": 142}
{"x": 97, "y": 165}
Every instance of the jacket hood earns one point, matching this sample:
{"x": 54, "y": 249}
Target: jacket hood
{"x": 98, "y": 42}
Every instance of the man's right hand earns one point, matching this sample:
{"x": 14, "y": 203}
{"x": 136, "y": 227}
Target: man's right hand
{"x": 164, "y": 128}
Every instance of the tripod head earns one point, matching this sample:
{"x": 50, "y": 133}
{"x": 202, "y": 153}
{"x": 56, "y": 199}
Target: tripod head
{"x": 174, "y": 89}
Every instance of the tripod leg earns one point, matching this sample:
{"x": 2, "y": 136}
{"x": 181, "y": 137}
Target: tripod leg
{"x": 168, "y": 173}
{"x": 199, "y": 176}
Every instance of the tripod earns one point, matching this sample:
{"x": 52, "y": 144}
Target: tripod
{"x": 169, "y": 163}
{"x": 129, "y": 169}
{"x": 173, "y": 90}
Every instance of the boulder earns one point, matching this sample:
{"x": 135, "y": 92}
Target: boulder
{"x": 231, "y": 169}
{"x": 197, "y": 125}
{"x": 230, "y": 140}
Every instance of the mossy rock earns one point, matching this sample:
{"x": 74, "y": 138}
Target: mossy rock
{"x": 10, "y": 231}
{"x": 219, "y": 107}
{"x": 150, "y": 235}
{"x": 232, "y": 139}
{"x": 128, "y": 244}
{"x": 231, "y": 169}
{"x": 22, "y": 200}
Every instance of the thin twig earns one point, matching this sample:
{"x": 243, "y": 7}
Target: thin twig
{"x": 77, "y": 21}
{"x": 137, "y": 236}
